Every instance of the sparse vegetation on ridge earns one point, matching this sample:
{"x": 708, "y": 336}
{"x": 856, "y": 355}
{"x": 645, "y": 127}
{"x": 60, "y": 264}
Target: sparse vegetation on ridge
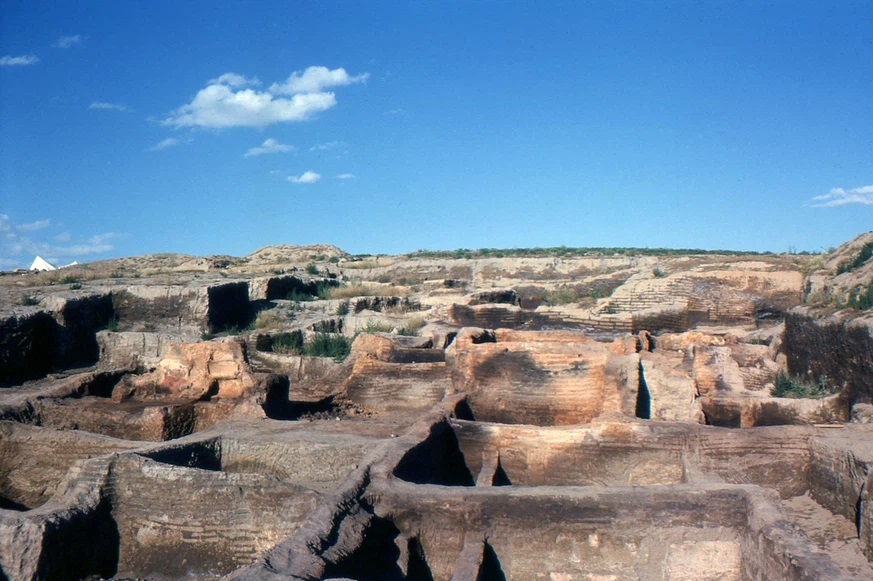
{"x": 863, "y": 256}
{"x": 565, "y": 251}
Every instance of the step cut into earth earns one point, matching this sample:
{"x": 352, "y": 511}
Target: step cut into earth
{"x": 301, "y": 413}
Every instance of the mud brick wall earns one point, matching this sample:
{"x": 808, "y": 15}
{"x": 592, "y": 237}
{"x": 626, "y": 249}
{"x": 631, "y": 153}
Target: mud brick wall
{"x": 565, "y": 534}
{"x": 395, "y": 387}
{"x": 540, "y": 382}
{"x": 177, "y": 521}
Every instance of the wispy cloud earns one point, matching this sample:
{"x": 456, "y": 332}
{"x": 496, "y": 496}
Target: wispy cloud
{"x": 33, "y": 226}
{"x": 105, "y": 106}
{"x": 229, "y": 100}
{"x": 395, "y": 112}
{"x": 165, "y": 143}
{"x": 327, "y": 146}
{"x": 20, "y": 243}
{"x": 68, "y": 41}
{"x": 103, "y": 238}
{"x": 18, "y": 61}
{"x": 345, "y": 176}
{"x": 316, "y": 79}
{"x": 841, "y": 197}
{"x": 268, "y": 146}
{"x": 309, "y": 177}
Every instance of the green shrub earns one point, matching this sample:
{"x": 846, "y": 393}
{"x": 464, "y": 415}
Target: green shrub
{"x": 373, "y": 326}
{"x": 113, "y": 324}
{"x": 798, "y": 387}
{"x": 342, "y": 309}
{"x": 289, "y": 343}
{"x": 412, "y": 327}
{"x": 333, "y": 259}
{"x": 268, "y": 320}
{"x": 311, "y": 269}
{"x": 863, "y": 256}
{"x": 561, "y": 296}
{"x": 323, "y": 291}
{"x": 29, "y": 301}
{"x": 76, "y": 286}
{"x": 299, "y": 296}
{"x": 337, "y": 347}
{"x": 861, "y": 298}
{"x": 69, "y": 279}
{"x": 658, "y": 272}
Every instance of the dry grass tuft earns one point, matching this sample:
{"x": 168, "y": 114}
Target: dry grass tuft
{"x": 367, "y": 290}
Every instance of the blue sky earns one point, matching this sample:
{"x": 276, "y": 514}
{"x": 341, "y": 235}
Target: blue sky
{"x": 221, "y": 127}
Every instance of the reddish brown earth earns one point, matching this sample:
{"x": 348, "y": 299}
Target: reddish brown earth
{"x": 553, "y": 417}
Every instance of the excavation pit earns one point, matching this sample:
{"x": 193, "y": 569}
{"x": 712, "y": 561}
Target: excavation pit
{"x": 34, "y": 461}
{"x": 464, "y": 453}
{"x": 688, "y": 532}
{"x": 310, "y": 459}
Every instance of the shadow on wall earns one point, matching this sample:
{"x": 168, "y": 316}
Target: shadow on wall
{"x": 436, "y": 460}
{"x": 278, "y": 405}
{"x": 33, "y": 345}
{"x": 379, "y": 556}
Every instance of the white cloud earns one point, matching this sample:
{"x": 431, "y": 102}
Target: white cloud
{"x": 219, "y": 106}
{"x": 345, "y": 176}
{"x": 18, "y": 61}
{"x": 316, "y": 79}
{"x": 309, "y": 177}
{"x": 19, "y": 244}
{"x": 841, "y": 197}
{"x": 269, "y": 146}
{"x": 165, "y": 143}
{"x": 229, "y": 100}
{"x": 234, "y": 80}
{"x": 67, "y": 41}
{"x": 327, "y": 146}
{"x": 103, "y": 105}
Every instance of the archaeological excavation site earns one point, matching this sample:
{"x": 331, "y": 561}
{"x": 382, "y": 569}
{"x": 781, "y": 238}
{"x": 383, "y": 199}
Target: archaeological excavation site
{"x": 558, "y": 414}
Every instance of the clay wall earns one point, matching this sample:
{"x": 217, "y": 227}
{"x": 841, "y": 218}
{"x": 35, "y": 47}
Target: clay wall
{"x": 178, "y": 521}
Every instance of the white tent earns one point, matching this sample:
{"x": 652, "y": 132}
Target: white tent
{"x": 39, "y": 263}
